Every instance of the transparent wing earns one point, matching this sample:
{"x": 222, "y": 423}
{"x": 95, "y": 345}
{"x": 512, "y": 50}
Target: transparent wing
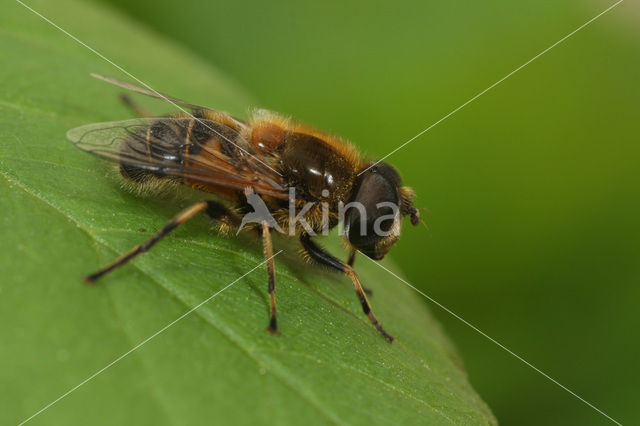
{"x": 149, "y": 92}
{"x": 199, "y": 150}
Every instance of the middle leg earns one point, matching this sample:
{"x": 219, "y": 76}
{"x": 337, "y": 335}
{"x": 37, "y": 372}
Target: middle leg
{"x": 268, "y": 254}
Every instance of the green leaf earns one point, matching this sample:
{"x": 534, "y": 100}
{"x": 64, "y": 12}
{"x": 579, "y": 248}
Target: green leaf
{"x": 64, "y": 214}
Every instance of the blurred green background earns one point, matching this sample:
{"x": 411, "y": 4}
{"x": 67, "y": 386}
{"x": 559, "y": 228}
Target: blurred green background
{"x": 531, "y": 190}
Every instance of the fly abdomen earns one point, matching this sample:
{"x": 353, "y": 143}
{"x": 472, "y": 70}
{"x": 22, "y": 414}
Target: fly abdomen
{"x": 169, "y": 148}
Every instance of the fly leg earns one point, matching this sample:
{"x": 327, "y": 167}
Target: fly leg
{"x": 221, "y": 213}
{"x": 268, "y": 254}
{"x": 352, "y": 257}
{"x": 321, "y": 256}
{"x": 135, "y": 107}
{"x": 181, "y": 218}
{"x": 350, "y": 262}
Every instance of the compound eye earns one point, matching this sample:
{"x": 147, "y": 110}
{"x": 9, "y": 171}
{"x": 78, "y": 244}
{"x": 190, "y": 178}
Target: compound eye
{"x": 376, "y": 198}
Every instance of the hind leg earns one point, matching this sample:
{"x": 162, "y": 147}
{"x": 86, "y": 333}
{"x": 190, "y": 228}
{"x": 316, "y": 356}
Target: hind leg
{"x": 134, "y": 107}
{"x": 146, "y": 246}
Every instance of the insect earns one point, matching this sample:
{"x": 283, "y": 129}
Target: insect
{"x": 269, "y": 159}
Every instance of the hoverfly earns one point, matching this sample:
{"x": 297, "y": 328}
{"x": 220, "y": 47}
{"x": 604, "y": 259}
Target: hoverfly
{"x": 268, "y": 156}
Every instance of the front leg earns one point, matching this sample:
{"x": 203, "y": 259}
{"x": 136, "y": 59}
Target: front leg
{"x": 350, "y": 262}
{"x": 321, "y": 256}
{"x": 352, "y": 257}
